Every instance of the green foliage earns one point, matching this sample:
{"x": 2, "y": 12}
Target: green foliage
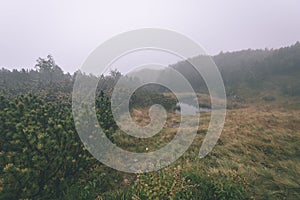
{"x": 80, "y": 191}
{"x": 48, "y": 77}
{"x": 48, "y": 70}
{"x": 173, "y": 183}
{"x": 146, "y": 96}
{"x": 104, "y": 113}
{"x": 40, "y": 152}
{"x": 219, "y": 186}
{"x": 165, "y": 184}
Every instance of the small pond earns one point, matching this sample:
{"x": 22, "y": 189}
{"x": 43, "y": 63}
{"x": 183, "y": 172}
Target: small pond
{"x": 190, "y": 110}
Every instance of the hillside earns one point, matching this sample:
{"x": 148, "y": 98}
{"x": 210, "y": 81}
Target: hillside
{"x": 256, "y": 156}
{"x": 274, "y": 72}
{"x": 266, "y": 74}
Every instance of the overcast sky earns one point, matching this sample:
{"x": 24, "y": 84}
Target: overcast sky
{"x": 70, "y": 30}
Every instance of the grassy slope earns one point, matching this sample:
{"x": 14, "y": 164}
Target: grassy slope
{"x": 260, "y": 142}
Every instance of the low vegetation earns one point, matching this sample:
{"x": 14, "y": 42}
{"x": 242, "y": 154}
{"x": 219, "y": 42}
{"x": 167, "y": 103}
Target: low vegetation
{"x": 256, "y": 157}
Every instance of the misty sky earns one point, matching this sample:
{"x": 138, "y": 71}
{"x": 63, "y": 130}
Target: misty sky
{"x": 70, "y": 30}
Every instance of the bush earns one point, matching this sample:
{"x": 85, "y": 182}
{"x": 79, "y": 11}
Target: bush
{"x": 40, "y": 153}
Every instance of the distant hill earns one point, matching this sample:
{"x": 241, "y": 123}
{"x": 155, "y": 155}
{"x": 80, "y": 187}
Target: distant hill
{"x": 247, "y": 72}
{"x": 262, "y": 70}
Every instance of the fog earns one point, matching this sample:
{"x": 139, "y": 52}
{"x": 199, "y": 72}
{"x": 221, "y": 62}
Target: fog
{"x": 70, "y": 30}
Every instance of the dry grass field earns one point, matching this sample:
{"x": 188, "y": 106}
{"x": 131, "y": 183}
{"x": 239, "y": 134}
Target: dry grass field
{"x": 260, "y": 143}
